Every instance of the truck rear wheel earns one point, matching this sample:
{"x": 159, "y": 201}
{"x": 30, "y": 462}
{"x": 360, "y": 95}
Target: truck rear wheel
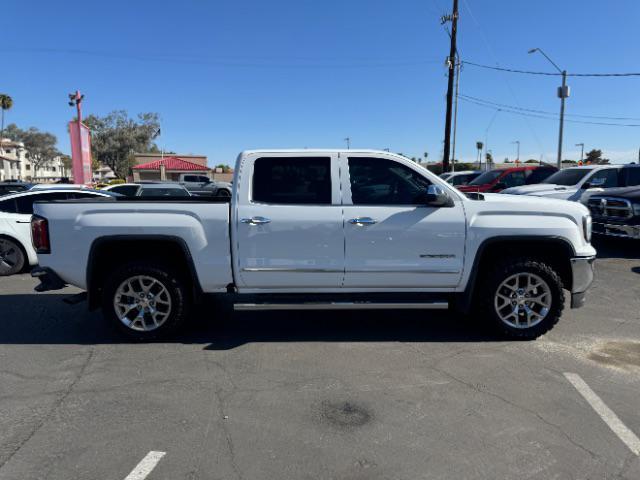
{"x": 523, "y": 298}
{"x": 145, "y": 301}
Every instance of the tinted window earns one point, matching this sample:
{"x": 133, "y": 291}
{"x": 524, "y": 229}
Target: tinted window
{"x": 609, "y": 175}
{"x": 24, "y": 204}
{"x": 486, "y": 177}
{"x": 514, "y": 179}
{"x": 568, "y": 177}
{"x": 163, "y": 192}
{"x": 378, "y": 181}
{"x": 631, "y": 176}
{"x": 191, "y": 178}
{"x": 128, "y": 190}
{"x": 76, "y": 195}
{"x": 291, "y": 180}
{"x": 539, "y": 174}
{"x": 8, "y": 206}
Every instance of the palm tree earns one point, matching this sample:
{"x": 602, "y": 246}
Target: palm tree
{"x": 6, "y": 102}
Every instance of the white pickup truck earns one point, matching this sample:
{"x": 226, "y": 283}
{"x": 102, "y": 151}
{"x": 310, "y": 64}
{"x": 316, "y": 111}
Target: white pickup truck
{"x": 321, "y": 229}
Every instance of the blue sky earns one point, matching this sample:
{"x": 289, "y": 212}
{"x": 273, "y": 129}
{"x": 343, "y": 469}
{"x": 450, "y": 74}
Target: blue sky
{"x": 232, "y": 75}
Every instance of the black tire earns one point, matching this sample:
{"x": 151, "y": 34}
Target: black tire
{"x": 12, "y": 257}
{"x": 223, "y": 192}
{"x": 176, "y": 289}
{"x": 512, "y": 266}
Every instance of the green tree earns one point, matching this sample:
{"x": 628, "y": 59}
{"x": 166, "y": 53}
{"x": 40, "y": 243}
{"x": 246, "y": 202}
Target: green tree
{"x": 40, "y": 146}
{"x": 595, "y": 157}
{"x": 225, "y": 168}
{"x": 116, "y": 137}
{"x": 6, "y": 102}
{"x": 531, "y": 160}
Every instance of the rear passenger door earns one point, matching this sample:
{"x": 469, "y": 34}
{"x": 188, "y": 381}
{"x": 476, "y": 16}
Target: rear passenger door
{"x": 288, "y": 223}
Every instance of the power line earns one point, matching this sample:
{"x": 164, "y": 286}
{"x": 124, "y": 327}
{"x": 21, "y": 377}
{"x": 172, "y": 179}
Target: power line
{"x": 544, "y": 111}
{"x": 551, "y": 74}
{"x": 234, "y": 61}
{"x": 545, "y": 116}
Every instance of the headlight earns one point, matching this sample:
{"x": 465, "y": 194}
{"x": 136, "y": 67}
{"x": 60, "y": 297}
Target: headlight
{"x": 586, "y": 227}
{"x": 636, "y": 209}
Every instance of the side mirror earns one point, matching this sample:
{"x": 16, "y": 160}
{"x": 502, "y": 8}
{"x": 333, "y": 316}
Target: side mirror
{"x": 435, "y": 196}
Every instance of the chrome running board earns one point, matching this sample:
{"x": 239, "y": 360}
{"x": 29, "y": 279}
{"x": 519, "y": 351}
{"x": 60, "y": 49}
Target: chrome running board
{"x": 343, "y": 306}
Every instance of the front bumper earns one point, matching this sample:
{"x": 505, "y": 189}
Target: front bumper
{"x": 617, "y": 230}
{"x": 49, "y": 280}
{"x": 582, "y": 273}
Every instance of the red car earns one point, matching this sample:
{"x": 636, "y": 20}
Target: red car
{"x": 501, "y": 178}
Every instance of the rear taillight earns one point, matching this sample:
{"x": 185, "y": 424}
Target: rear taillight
{"x": 40, "y": 234}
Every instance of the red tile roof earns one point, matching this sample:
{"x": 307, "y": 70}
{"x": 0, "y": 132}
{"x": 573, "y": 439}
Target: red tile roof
{"x": 171, "y": 163}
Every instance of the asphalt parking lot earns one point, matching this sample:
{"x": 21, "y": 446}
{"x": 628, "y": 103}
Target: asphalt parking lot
{"x": 308, "y": 395}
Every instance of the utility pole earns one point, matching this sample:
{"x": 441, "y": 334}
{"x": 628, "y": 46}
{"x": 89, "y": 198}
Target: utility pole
{"x": 581, "y": 145}
{"x": 455, "y": 116}
{"x": 451, "y": 61}
{"x": 563, "y": 92}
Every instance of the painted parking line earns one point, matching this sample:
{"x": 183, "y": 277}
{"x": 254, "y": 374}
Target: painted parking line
{"x": 608, "y": 416}
{"x": 146, "y": 465}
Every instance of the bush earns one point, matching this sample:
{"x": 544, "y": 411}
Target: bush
{"x": 117, "y": 181}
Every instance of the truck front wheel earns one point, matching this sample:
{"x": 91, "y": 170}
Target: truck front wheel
{"x": 145, "y": 301}
{"x": 523, "y": 298}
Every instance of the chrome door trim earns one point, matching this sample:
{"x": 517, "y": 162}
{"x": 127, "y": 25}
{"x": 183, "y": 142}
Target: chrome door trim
{"x": 422, "y": 270}
{"x": 292, "y": 270}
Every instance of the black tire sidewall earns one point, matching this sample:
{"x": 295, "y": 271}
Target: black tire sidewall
{"x": 180, "y": 301}
{"x": 19, "y": 266}
{"x": 504, "y": 270}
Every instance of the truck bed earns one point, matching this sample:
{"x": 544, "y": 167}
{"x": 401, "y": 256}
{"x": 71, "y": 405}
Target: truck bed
{"x": 201, "y": 224}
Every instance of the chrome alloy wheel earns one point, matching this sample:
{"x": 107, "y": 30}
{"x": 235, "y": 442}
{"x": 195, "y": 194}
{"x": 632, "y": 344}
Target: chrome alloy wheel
{"x": 523, "y": 300}
{"x": 142, "y": 303}
{"x": 8, "y": 256}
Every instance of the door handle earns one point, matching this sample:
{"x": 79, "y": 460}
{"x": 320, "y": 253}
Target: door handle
{"x": 361, "y": 221}
{"x": 255, "y": 220}
{"x": 23, "y": 221}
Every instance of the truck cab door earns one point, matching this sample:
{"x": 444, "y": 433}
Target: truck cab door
{"x": 393, "y": 239}
{"x": 288, "y": 223}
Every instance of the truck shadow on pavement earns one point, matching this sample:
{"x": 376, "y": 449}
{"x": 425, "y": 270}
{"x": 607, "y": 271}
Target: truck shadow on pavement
{"x": 46, "y": 319}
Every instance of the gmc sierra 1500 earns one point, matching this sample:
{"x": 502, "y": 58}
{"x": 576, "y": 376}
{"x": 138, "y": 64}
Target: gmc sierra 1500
{"x": 321, "y": 229}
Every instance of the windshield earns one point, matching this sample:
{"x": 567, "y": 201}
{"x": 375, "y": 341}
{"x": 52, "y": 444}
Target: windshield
{"x": 487, "y": 177}
{"x": 570, "y": 176}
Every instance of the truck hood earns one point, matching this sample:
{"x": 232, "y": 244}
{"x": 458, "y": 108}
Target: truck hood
{"x": 519, "y": 203}
{"x": 543, "y": 190}
{"x": 630, "y": 193}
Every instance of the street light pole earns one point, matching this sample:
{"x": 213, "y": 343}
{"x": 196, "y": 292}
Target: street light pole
{"x": 581, "y": 145}
{"x": 348, "y": 140}
{"x": 518, "y": 154}
{"x": 563, "y": 92}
